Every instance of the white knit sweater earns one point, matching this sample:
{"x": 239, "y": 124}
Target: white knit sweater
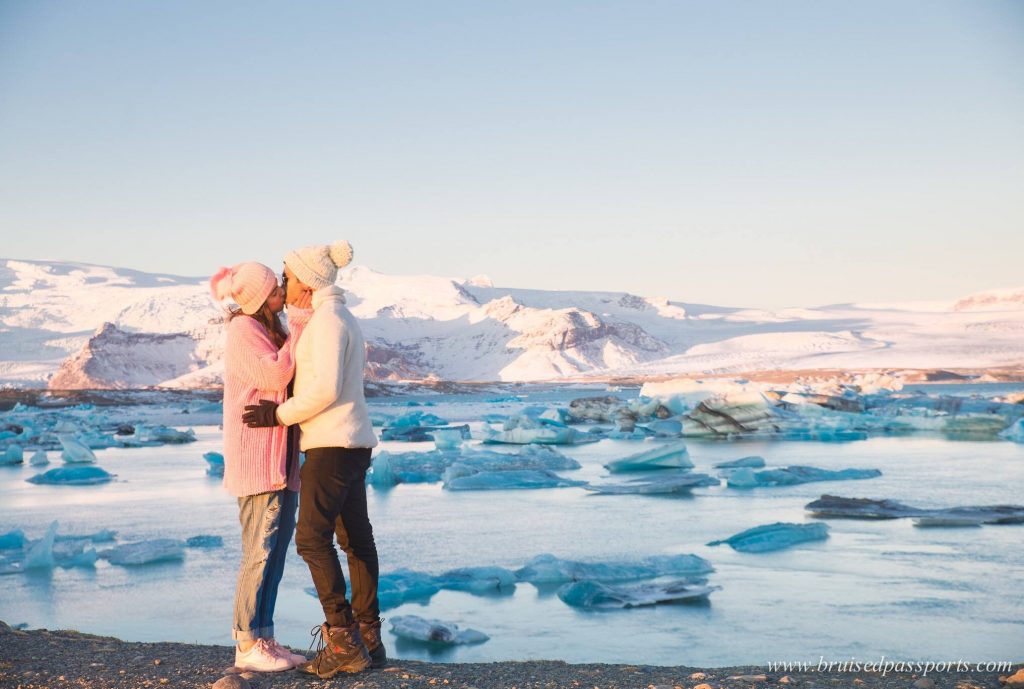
{"x": 328, "y": 402}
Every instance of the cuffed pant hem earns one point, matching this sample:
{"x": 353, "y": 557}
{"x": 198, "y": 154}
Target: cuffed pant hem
{"x": 253, "y": 634}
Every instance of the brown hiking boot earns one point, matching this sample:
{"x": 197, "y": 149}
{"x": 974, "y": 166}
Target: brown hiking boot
{"x": 341, "y": 649}
{"x": 374, "y": 645}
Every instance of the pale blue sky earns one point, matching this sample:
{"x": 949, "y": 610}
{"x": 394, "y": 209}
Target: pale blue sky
{"x": 759, "y": 153}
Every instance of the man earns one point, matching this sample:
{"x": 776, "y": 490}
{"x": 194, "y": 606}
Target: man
{"x": 337, "y": 437}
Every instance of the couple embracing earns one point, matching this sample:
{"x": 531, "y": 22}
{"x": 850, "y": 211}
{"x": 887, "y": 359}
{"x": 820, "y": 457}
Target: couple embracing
{"x": 286, "y": 392}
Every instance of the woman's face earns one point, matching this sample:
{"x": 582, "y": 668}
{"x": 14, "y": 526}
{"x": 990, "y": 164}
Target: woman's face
{"x": 275, "y": 302}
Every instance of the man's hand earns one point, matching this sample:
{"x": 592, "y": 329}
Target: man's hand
{"x": 262, "y": 415}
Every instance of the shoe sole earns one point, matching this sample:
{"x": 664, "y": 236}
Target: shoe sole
{"x": 347, "y": 669}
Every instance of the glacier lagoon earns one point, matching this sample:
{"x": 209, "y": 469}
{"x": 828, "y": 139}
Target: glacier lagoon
{"x": 872, "y": 588}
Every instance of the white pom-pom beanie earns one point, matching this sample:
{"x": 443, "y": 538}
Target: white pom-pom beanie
{"x": 317, "y": 266}
{"x": 246, "y": 284}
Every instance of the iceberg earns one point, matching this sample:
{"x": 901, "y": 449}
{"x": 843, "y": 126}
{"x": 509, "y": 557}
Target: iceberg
{"x": 656, "y": 485}
{"x": 72, "y": 476}
{"x": 14, "y": 454}
{"x": 752, "y": 462}
{"x": 447, "y": 438}
{"x": 595, "y": 595}
{"x": 548, "y": 569}
{"x": 402, "y": 586}
{"x": 794, "y": 475}
{"x": 390, "y": 469}
{"x": 215, "y": 463}
{"x": 204, "y": 541}
{"x": 666, "y": 456}
{"x": 509, "y": 480}
{"x": 75, "y": 452}
{"x": 433, "y": 631}
{"x": 39, "y": 459}
{"x": 666, "y": 428}
{"x": 525, "y": 430}
{"x": 145, "y": 552}
{"x": 1014, "y": 432}
{"x": 601, "y": 409}
{"x": 163, "y": 434}
{"x": 12, "y": 540}
{"x": 40, "y": 553}
{"x": 834, "y": 506}
{"x": 477, "y": 579}
{"x": 777, "y": 536}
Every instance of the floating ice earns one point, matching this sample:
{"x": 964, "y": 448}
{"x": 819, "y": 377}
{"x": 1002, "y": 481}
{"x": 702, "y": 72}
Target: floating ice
{"x": 752, "y": 462}
{"x": 477, "y": 579}
{"x": 145, "y": 552}
{"x": 955, "y": 522}
{"x": 794, "y": 475}
{"x": 98, "y": 537}
{"x": 666, "y": 428}
{"x": 12, "y": 539}
{"x": 163, "y": 434}
{"x": 433, "y": 631}
{"x": 661, "y": 456}
{"x": 430, "y": 467}
{"x": 524, "y": 430}
{"x": 204, "y": 541}
{"x": 683, "y": 482}
{"x": 39, "y": 459}
{"x": 508, "y": 480}
{"x": 593, "y": 594}
{"x": 975, "y": 426}
{"x": 40, "y": 553}
{"x": 14, "y": 454}
{"x": 215, "y": 463}
{"x": 546, "y": 569}
{"x": 833, "y": 506}
{"x": 75, "y": 452}
{"x": 402, "y": 586}
{"x": 1014, "y": 432}
{"x": 447, "y": 438}
{"x": 72, "y": 476}
{"x": 777, "y": 536}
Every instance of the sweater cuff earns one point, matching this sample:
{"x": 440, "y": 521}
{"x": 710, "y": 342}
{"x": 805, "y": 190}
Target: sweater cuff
{"x": 298, "y": 317}
{"x": 282, "y": 414}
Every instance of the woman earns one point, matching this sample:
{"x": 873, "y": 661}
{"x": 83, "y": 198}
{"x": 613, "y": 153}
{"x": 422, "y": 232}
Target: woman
{"x": 261, "y": 465}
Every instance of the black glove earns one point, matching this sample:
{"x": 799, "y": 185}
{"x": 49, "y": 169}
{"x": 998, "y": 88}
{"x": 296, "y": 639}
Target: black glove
{"x": 262, "y": 415}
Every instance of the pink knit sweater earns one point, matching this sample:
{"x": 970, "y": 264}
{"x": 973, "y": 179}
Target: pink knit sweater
{"x": 254, "y": 369}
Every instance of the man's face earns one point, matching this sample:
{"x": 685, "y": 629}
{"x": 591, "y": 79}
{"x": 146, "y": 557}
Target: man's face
{"x": 295, "y": 291}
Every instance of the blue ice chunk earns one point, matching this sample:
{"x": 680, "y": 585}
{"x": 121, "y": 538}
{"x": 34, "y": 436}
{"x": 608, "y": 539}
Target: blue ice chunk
{"x": 402, "y": 586}
{"x": 447, "y": 438}
{"x": 417, "y": 418}
{"x": 40, "y": 553}
{"x": 596, "y": 595}
{"x": 433, "y": 631}
{"x": 660, "y": 484}
{"x": 540, "y": 434}
{"x": 204, "y": 541}
{"x": 661, "y": 456}
{"x": 145, "y": 552}
{"x": 546, "y": 569}
{"x": 12, "y": 539}
{"x": 80, "y": 558}
{"x": 379, "y": 419}
{"x": 215, "y": 463}
{"x": 14, "y": 454}
{"x": 752, "y": 462}
{"x": 75, "y": 452}
{"x": 72, "y": 476}
{"x": 494, "y": 418}
{"x": 777, "y": 536}
{"x": 666, "y": 428}
{"x": 477, "y": 579}
{"x": 39, "y": 459}
{"x": 7, "y": 435}
{"x": 390, "y": 469}
{"x": 208, "y": 408}
{"x": 1015, "y": 432}
{"x": 795, "y": 475}
{"x": 511, "y": 480}
{"x": 164, "y": 434}
{"x": 638, "y": 433}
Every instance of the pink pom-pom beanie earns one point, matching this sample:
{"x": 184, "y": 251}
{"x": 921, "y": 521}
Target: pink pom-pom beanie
{"x": 247, "y": 284}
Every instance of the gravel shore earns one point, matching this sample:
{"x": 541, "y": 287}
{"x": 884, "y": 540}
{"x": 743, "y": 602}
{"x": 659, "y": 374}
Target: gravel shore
{"x": 39, "y": 658}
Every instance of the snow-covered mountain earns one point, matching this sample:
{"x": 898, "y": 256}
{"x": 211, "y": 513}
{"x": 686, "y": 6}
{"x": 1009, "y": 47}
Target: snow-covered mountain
{"x": 73, "y": 325}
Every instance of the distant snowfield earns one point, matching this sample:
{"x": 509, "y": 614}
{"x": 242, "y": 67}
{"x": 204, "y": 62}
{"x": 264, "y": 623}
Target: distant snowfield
{"x": 168, "y": 331}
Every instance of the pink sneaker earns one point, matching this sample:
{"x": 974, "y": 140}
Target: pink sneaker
{"x": 282, "y": 652}
{"x": 261, "y": 658}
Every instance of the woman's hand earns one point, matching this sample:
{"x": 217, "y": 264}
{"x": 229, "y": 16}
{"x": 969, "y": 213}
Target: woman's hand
{"x": 305, "y": 300}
